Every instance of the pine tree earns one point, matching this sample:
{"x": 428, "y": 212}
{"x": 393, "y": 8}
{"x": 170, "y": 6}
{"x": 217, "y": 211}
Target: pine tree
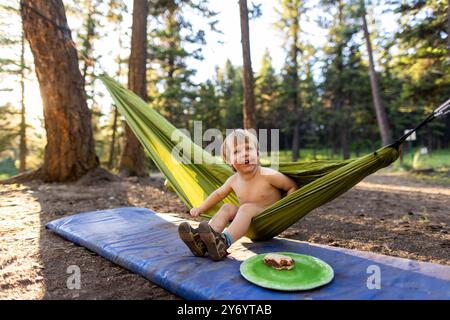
{"x": 249, "y": 95}
{"x": 313, "y": 115}
{"x": 17, "y": 67}
{"x": 230, "y": 87}
{"x": 423, "y": 65}
{"x": 289, "y": 24}
{"x": 168, "y": 54}
{"x": 386, "y": 135}
{"x": 132, "y": 160}
{"x": 341, "y": 32}
{"x": 267, "y": 87}
{"x": 206, "y": 106}
{"x": 115, "y": 16}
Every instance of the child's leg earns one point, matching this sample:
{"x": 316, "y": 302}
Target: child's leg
{"x": 225, "y": 214}
{"x": 216, "y": 242}
{"x": 242, "y": 220}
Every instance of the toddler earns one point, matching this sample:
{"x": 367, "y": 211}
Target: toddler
{"x": 255, "y": 186}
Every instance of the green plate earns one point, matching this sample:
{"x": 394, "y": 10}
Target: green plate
{"x": 308, "y": 273}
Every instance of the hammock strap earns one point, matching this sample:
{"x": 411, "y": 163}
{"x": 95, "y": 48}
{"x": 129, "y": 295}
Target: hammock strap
{"x": 65, "y": 28}
{"x": 440, "y": 111}
{"x": 67, "y": 35}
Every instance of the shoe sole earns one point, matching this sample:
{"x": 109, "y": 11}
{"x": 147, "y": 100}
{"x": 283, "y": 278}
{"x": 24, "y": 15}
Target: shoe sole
{"x": 186, "y": 234}
{"x": 209, "y": 240}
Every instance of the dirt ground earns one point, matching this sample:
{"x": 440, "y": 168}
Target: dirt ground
{"x": 389, "y": 213}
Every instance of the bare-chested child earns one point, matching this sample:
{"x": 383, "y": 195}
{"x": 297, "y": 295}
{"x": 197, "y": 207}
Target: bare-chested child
{"x": 256, "y": 188}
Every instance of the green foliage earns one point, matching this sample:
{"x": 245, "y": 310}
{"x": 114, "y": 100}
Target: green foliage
{"x": 171, "y": 84}
{"x": 206, "y": 106}
{"x": 420, "y": 68}
{"x": 330, "y": 83}
{"x": 7, "y": 168}
{"x": 9, "y": 122}
{"x": 267, "y": 92}
{"x": 345, "y": 85}
{"x": 231, "y": 91}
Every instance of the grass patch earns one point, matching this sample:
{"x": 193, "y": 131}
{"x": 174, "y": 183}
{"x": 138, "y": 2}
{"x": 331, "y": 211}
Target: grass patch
{"x": 438, "y": 160}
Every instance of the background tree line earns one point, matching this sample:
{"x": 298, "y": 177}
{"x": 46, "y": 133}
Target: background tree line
{"x": 358, "y": 91}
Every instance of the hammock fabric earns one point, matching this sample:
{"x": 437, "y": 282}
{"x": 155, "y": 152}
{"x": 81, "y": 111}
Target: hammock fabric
{"x": 319, "y": 181}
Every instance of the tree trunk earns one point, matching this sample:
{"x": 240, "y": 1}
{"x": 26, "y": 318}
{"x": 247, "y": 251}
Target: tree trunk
{"x": 377, "y": 102}
{"x": 430, "y": 141}
{"x": 294, "y": 99}
{"x": 112, "y": 146}
{"x": 70, "y": 151}
{"x": 286, "y": 143}
{"x": 249, "y": 96}
{"x": 448, "y": 27}
{"x": 296, "y": 142}
{"x": 339, "y": 103}
{"x": 23, "y": 124}
{"x": 173, "y": 115}
{"x": 132, "y": 162}
{"x": 334, "y": 141}
{"x": 172, "y": 29}
{"x": 344, "y": 143}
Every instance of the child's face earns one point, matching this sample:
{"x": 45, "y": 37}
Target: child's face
{"x": 244, "y": 157}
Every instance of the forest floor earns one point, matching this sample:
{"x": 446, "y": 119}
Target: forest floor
{"x": 395, "y": 214}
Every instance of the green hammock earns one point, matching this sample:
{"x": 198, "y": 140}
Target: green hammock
{"x": 319, "y": 181}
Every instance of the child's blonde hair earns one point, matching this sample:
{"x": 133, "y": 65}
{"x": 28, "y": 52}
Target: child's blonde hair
{"x": 238, "y": 135}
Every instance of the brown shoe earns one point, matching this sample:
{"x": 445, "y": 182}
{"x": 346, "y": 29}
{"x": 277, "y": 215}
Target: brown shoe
{"x": 215, "y": 242}
{"x": 192, "y": 239}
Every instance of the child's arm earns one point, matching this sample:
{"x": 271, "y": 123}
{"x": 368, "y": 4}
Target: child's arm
{"x": 281, "y": 181}
{"x": 213, "y": 198}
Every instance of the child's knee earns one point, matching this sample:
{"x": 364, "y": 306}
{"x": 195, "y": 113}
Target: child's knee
{"x": 229, "y": 210}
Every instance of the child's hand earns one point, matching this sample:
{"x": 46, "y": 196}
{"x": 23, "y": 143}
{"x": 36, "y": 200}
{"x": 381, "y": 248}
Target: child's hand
{"x": 195, "y": 212}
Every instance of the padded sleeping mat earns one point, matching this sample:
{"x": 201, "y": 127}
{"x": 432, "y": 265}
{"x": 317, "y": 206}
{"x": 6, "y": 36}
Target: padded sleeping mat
{"x": 147, "y": 243}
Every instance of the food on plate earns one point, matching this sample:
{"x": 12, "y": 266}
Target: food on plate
{"x": 279, "y": 261}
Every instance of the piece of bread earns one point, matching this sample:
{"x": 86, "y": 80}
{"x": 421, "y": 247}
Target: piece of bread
{"x": 279, "y": 261}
